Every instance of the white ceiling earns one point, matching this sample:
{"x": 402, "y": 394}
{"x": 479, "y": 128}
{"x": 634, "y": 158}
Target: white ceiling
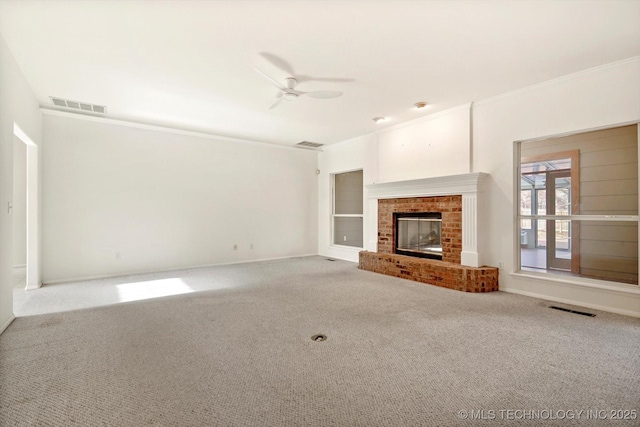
{"x": 189, "y": 64}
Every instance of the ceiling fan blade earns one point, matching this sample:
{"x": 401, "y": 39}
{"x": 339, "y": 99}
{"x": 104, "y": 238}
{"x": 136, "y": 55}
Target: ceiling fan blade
{"x": 271, "y": 79}
{"x": 278, "y": 62}
{"x": 304, "y": 79}
{"x": 324, "y": 94}
{"x": 275, "y": 104}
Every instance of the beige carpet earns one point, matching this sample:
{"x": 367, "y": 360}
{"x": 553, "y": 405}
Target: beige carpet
{"x": 398, "y": 353}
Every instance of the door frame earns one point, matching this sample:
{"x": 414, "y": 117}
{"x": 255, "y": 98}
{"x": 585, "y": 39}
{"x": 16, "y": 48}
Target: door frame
{"x": 574, "y": 155}
{"x": 33, "y": 208}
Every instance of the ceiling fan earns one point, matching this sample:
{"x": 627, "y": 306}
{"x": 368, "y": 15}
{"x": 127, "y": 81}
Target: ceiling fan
{"x": 289, "y": 92}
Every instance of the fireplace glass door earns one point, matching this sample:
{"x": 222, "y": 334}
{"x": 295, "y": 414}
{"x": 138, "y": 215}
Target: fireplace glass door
{"x": 419, "y": 234}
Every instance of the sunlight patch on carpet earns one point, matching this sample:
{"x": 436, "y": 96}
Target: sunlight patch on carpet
{"x": 136, "y": 291}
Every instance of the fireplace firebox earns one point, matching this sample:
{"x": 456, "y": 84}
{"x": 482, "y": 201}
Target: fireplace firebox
{"x": 419, "y": 234}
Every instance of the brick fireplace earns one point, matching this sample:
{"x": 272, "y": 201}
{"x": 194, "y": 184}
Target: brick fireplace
{"x": 449, "y": 206}
{"x": 456, "y": 199}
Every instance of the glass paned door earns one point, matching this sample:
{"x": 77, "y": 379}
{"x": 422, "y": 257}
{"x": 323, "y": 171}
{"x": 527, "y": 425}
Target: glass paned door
{"x": 559, "y": 231}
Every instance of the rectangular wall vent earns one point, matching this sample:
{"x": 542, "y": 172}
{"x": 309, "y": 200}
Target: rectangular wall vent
{"x": 84, "y": 106}
{"x": 309, "y": 144}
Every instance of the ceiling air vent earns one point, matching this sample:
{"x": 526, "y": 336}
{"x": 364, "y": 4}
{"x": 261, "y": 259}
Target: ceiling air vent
{"x": 84, "y": 106}
{"x": 309, "y": 144}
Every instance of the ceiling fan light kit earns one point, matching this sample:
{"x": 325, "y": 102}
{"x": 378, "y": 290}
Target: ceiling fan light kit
{"x": 289, "y": 92}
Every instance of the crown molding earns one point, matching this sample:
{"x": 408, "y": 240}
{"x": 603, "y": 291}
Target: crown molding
{"x": 558, "y": 80}
{"x": 140, "y": 124}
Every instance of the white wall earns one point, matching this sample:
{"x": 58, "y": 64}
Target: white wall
{"x": 166, "y": 200}
{"x": 354, "y": 154}
{"x": 436, "y": 145}
{"x": 19, "y": 203}
{"x": 18, "y": 105}
{"x": 439, "y": 146}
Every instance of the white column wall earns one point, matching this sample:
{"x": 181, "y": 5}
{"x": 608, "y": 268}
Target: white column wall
{"x": 18, "y": 106}
{"x": 594, "y": 98}
{"x": 429, "y": 146}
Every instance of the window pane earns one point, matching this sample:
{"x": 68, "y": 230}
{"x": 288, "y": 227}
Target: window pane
{"x": 563, "y": 239}
{"x": 563, "y": 200}
{"x": 525, "y": 202}
{"x": 541, "y": 202}
{"x": 547, "y": 165}
{"x": 348, "y": 193}
{"x": 347, "y": 231}
{"x": 541, "y": 236}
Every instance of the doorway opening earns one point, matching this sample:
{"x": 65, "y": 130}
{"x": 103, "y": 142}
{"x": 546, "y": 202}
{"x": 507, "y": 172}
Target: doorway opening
{"x": 25, "y": 211}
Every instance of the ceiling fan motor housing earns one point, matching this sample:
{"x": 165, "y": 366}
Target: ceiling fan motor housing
{"x": 290, "y": 82}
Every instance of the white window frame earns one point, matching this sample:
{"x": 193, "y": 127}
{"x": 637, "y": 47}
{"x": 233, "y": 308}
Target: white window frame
{"x": 518, "y": 218}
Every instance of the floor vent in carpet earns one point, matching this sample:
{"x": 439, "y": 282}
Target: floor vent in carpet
{"x": 329, "y": 259}
{"x": 572, "y": 311}
{"x": 319, "y": 338}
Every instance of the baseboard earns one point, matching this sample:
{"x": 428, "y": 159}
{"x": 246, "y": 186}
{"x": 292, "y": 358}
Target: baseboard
{"x": 7, "y": 323}
{"x": 600, "y": 307}
{"x": 136, "y": 272}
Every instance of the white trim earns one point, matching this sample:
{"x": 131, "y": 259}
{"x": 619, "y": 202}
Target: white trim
{"x": 611, "y": 218}
{"x": 427, "y": 187}
{"x": 344, "y": 253}
{"x": 51, "y": 110}
{"x": 466, "y": 185}
{"x": 346, "y": 247}
{"x": 22, "y": 136}
{"x": 420, "y": 120}
{"x": 581, "y": 282}
{"x": 547, "y": 297}
{"x": 34, "y": 180}
{"x": 136, "y": 272}
{"x": 7, "y": 323}
{"x": 577, "y": 132}
{"x": 30, "y": 287}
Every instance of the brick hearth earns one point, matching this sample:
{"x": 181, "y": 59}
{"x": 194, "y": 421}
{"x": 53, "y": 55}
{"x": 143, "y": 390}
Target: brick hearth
{"x": 433, "y": 272}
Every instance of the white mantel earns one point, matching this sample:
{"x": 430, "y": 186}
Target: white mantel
{"x": 466, "y": 185}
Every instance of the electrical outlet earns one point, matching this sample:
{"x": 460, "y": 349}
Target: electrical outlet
{"x": 344, "y": 238}
{"x": 251, "y": 246}
{"x": 118, "y": 256}
{"x": 500, "y": 265}
{"x": 235, "y": 247}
